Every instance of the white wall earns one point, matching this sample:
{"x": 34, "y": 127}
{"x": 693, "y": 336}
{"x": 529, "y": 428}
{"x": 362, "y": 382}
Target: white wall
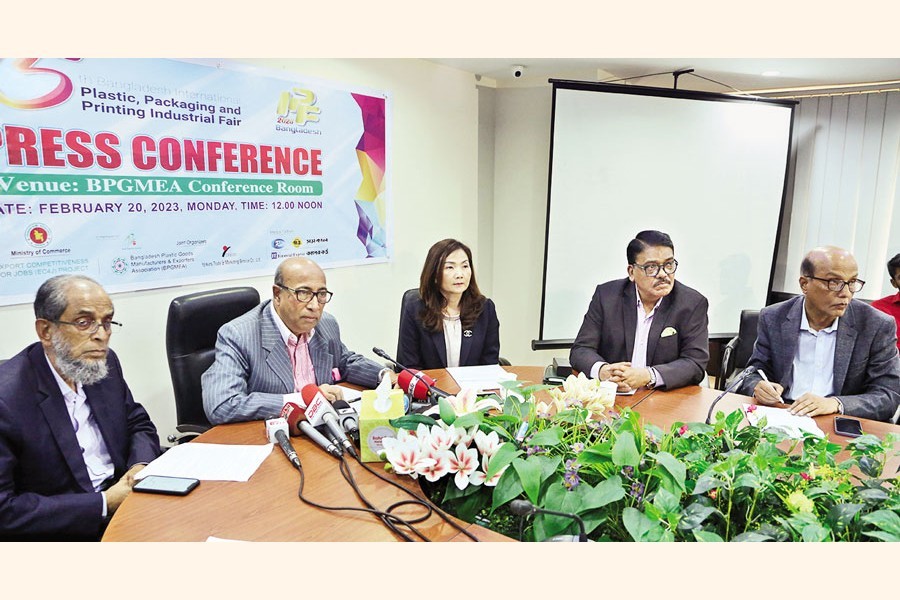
{"x": 434, "y": 195}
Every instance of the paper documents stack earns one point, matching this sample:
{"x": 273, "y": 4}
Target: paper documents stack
{"x": 779, "y": 418}
{"x": 485, "y": 379}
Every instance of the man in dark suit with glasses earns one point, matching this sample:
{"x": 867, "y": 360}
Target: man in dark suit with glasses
{"x": 825, "y": 352}
{"x": 71, "y": 435}
{"x": 647, "y": 330}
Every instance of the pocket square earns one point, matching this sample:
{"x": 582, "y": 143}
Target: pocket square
{"x": 667, "y": 332}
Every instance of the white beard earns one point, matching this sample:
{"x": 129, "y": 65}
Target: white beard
{"x": 85, "y": 371}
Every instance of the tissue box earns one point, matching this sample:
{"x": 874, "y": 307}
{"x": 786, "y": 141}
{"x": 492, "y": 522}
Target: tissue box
{"x": 374, "y": 424}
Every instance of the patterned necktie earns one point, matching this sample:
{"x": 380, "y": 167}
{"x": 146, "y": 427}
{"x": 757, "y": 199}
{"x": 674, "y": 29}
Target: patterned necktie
{"x": 298, "y": 349}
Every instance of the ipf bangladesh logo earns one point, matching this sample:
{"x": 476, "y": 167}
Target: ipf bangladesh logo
{"x": 38, "y": 235}
{"x": 297, "y": 107}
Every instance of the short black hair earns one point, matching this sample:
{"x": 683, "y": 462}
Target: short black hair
{"x": 647, "y": 239}
{"x": 893, "y": 265}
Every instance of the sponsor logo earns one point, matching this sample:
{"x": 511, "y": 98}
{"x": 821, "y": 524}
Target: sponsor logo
{"x": 296, "y": 242}
{"x": 278, "y": 243}
{"x": 297, "y": 106}
{"x": 130, "y": 242}
{"x": 119, "y": 266}
{"x": 38, "y": 235}
{"x": 225, "y": 250}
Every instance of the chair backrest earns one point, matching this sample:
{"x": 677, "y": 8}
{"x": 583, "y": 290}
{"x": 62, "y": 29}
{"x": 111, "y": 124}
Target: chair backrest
{"x": 740, "y": 348}
{"x": 191, "y": 328}
{"x": 409, "y": 296}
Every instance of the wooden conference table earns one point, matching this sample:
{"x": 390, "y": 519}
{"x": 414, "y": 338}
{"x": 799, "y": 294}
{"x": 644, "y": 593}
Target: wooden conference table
{"x": 267, "y": 508}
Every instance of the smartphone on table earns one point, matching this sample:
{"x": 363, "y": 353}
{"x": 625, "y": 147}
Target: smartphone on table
{"x": 159, "y": 484}
{"x": 847, "y": 426}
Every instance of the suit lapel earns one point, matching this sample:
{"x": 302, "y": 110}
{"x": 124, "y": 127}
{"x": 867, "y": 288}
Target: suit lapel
{"x": 321, "y": 358}
{"x": 276, "y": 354}
{"x": 437, "y": 339}
{"x": 629, "y": 318}
{"x": 790, "y": 338}
{"x": 97, "y": 400}
{"x": 843, "y": 350}
{"x": 53, "y": 407}
{"x": 660, "y": 318}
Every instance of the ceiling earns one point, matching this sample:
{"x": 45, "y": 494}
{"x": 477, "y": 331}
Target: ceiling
{"x": 744, "y": 74}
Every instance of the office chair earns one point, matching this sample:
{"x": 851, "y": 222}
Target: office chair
{"x": 409, "y": 298}
{"x": 191, "y": 328}
{"x": 739, "y": 349}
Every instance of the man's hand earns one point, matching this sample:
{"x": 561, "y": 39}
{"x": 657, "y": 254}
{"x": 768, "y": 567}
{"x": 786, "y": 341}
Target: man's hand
{"x": 614, "y": 372}
{"x": 117, "y": 493}
{"x": 634, "y": 377}
{"x": 811, "y": 405}
{"x": 768, "y": 393}
{"x": 332, "y": 393}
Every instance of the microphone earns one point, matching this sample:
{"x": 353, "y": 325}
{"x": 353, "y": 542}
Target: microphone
{"x": 387, "y": 357}
{"x": 293, "y": 415}
{"x": 320, "y": 440}
{"x": 419, "y": 386}
{"x": 319, "y": 411}
{"x": 348, "y": 418}
{"x": 731, "y": 387}
{"x": 524, "y": 508}
{"x": 277, "y": 433}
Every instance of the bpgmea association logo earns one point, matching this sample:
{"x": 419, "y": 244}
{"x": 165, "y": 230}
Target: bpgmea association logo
{"x": 38, "y": 235}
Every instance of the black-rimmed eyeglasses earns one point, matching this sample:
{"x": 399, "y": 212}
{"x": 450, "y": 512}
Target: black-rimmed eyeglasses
{"x": 90, "y": 326}
{"x": 652, "y": 269}
{"x": 836, "y": 285}
{"x": 304, "y": 295}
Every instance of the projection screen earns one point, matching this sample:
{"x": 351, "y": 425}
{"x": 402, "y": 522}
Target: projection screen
{"x": 708, "y": 169}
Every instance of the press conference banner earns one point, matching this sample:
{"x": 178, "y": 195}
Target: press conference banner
{"x": 146, "y": 173}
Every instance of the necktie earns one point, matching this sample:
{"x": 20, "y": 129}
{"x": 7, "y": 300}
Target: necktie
{"x": 298, "y": 349}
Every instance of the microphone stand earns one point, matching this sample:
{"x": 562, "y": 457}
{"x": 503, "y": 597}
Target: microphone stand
{"x": 730, "y": 388}
{"x": 524, "y": 508}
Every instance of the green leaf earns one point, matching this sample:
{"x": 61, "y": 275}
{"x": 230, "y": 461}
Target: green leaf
{"x": 870, "y": 466}
{"x": 604, "y": 493}
{"x": 666, "y": 501}
{"x": 840, "y": 515}
{"x": 448, "y": 416}
{"x": 412, "y": 421}
{"x": 559, "y": 499}
{"x": 504, "y": 456}
{"x": 707, "y": 536}
{"x": 884, "y": 537}
{"x": 547, "y": 438}
{"x": 705, "y": 483}
{"x": 637, "y": 524}
{"x": 529, "y": 472}
{"x": 508, "y": 488}
{"x": 625, "y": 451}
{"x": 673, "y": 466}
{"x": 815, "y": 533}
{"x": 469, "y": 420}
{"x": 885, "y": 520}
{"x": 750, "y": 480}
{"x": 873, "y": 495}
{"x": 694, "y": 516}
{"x": 751, "y": 536}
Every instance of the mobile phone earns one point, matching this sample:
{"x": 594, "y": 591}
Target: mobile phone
{"x": 847, "y": 426}
{"x": 159, "y": 484}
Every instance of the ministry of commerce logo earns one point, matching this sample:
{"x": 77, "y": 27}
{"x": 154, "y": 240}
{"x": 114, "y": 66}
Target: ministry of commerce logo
{"x": 119, "y": 266}
{"x": 38, "y": 235}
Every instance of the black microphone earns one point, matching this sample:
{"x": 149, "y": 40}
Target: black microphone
{"x": 348, "y": 418}
{"x": 277, "y": 432}
{"x": 524, "y": 508}
{"x": 387, "y": 357}
{"x": 731, "y": 387}
{"x": 319, "y": 439}
{"x": 320, "y": 412}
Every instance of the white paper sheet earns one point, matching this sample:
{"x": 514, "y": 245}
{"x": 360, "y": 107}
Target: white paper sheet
{"x": 209, "y": 462}
{"x": 484, "y": 378}
{"x": 350, "y": 394}
{"x": 779, "y": 418}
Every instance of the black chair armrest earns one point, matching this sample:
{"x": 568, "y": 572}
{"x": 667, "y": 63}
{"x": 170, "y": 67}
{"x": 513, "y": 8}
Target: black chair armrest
{"x": 727, "y": 364}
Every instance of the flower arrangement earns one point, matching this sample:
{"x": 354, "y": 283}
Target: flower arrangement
{"x": 630, "y": 481}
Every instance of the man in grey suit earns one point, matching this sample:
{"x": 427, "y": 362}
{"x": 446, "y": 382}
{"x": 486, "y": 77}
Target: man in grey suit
{"x": 825, "y": 350}
{"x": 647, "y": 330}
{"x": 266, "y": 356}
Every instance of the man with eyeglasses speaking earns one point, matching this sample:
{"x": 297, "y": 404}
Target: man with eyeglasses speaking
{"x": 71, "y": 435}
{"x": 647, "y": 330}
{"x": 265, "y": 357}
{"x": 825, "y": 352}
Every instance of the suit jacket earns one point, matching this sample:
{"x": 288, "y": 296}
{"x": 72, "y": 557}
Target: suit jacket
{"x": 866, "y": 365}
{"x": 607, "y": 333}
{"x": 420, "y": 348}
{"x": 252, "y": 370}
{"x": 45, "y": 489}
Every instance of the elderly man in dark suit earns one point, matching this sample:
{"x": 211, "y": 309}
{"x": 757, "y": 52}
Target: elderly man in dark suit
{"x": 265, "y": 357}
{"x": 647, "y": 330}
{"x": 71, "y": 435}
{"x": 824, "y": 351}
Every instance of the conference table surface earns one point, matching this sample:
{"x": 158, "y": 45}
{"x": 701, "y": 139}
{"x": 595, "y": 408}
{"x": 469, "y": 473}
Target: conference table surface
{"x": 267, "y": 508}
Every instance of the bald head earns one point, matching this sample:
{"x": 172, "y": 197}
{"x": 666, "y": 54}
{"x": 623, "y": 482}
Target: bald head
{"x": 822, "y": 269}
{"x": 298, "y": 273}
{"x": 824, "y": 257}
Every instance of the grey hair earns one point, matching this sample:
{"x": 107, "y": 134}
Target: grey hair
{"x": 50, "y": 301}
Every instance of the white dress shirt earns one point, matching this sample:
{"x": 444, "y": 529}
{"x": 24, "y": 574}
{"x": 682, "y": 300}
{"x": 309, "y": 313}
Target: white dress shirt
{"x": 814, "y": 361}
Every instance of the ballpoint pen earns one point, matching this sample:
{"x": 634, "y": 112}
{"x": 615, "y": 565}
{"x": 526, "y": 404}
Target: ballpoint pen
{"x": 766, "y": 379}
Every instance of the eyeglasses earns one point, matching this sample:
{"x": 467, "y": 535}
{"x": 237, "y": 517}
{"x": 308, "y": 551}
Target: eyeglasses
{"x": 836, "y": 285}
{"x": 90, "y": 326}
{"x": 652, "y": 270}
{"x": 304, "y": 295}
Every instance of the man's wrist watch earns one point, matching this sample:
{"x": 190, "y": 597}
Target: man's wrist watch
{"x": 652, "y": 383}
{"x": 840, "y": 405}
